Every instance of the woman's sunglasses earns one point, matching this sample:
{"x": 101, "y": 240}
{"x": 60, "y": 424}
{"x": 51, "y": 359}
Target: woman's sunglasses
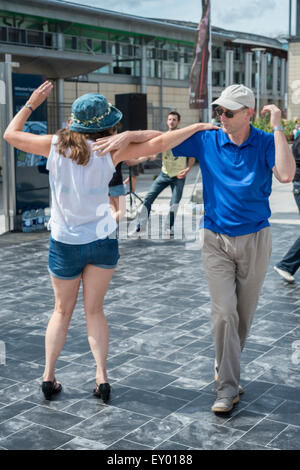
{"x": 228, "y": 114}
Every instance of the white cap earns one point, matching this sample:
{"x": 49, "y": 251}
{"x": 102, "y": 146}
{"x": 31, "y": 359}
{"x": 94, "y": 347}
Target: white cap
{"x": 236, "y": 97}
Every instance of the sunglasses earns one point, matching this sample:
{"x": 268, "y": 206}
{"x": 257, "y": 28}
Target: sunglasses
{"x": 228, "y": 114}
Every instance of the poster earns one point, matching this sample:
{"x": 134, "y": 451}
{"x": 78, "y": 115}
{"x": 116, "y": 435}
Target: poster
{"x": 23, "y": 86}
{"x": 198, "y": 90}
{"x": 32, "y": 181}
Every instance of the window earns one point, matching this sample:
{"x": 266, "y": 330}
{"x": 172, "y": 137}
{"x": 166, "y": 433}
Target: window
{"x": 236, "y": 77}
{"x": 237, "y": 54}
{"x": 170, "y": 70}
{"x": 216, "y": 52}
{"x": 269, "y": 81}
{"x": 216, "y": 79}
{"x": 278, "y": 82}
{"x": 16, "y": 35}
{"x": 3, "y": 33}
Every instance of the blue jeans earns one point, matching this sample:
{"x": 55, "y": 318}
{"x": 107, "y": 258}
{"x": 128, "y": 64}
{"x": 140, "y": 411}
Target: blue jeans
{"x": 162, "y": 182}
{"x": 291, "y": 260}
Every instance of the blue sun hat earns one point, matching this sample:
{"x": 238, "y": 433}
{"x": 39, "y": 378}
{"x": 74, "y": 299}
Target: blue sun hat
{"x": 92, "y": 113}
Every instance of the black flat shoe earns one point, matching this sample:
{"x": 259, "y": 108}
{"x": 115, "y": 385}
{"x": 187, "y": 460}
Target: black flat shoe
{"x": 50, "y": 388}
{"x": 102, "y": 391}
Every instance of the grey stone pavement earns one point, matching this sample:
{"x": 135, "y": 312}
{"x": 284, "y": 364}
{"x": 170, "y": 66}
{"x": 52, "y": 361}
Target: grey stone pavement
{"x": 161, "y": 352}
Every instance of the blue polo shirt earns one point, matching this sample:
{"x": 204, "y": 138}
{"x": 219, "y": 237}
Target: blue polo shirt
{"x": 237, "y": 180}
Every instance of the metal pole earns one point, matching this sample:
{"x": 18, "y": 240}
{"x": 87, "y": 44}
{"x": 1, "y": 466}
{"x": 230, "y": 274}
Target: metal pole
{"x": 298, "y": 18}
{"x": 60, "y": 83}
{"x": 258, "y": 84}
{"x": 4, "y": 147}
{"x": 8, "y": 154}
{"x": 143, "y": 70}
{"x": 258, "y": 51}
{"x": 60, "y": 102}
{"x": 290, "y": 18}
{"x": 11, "y": 152}
{"x": 161, "y": 95}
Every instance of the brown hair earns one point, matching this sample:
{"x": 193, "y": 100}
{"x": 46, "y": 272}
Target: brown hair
{"x": 175, "y": 113}
{"x": 74, "y": 145}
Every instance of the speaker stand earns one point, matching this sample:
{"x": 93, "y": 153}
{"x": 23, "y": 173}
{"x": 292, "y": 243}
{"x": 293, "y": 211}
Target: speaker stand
{"x": 132, "y": 198}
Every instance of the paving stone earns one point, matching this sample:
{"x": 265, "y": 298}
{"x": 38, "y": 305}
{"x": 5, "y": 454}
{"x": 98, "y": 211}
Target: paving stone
{"x": 288, "y": 412}
{"x": 264, "y": 432}
{"x": 79, "y": 443}
{"x": 109, "y": 425}
{"x": 35, "y": 438}
{"x": 125, "y": 444}
{"x": 14, "y": 410}
{"x": 208, "y": 436}
{"x": 153, "y": 432}
{"x": 160, "y": 360}
{"x": 51, "y": 418}
{"x": 288, "y": 439}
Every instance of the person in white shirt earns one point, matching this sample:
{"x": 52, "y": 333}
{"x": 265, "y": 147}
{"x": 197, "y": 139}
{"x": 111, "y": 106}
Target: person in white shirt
{"x": 83, "y": 245}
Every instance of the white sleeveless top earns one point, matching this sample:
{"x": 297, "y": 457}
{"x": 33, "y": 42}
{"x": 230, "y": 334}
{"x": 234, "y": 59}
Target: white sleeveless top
{"x": 80, "y": 211}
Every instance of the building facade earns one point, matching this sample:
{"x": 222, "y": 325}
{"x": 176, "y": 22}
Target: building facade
{"x": 94, "y": 49}
{"x": 86, "y": 49}
{"x": 294, "y": 65}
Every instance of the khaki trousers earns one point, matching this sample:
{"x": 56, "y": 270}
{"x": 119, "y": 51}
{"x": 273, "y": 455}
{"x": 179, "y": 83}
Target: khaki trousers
{"x": 235, "y": 268}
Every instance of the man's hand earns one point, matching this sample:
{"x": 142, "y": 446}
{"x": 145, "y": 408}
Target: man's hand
{"x": 112, "y": 142}
{"x": 182, "y": 174}
{"x": 119, "y": 142}
{"x": 275, "y": 114}
{"x": 206, "y": 126}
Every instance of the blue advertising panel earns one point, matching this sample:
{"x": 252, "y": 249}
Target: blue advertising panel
{"x": 32, "y": 182}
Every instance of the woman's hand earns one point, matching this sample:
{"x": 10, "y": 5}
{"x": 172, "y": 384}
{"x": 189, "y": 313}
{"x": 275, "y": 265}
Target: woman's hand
{"x": 40, "y": 95}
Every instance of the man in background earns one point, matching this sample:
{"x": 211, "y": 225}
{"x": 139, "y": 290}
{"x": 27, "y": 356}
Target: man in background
{"x": 173, "y": 173}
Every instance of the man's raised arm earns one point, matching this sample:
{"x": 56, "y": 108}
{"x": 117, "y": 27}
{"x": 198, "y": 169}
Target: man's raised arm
{"x": 120, "y": 141}
{"x": 155, "y": 145}
{"x": 285, "y": 167}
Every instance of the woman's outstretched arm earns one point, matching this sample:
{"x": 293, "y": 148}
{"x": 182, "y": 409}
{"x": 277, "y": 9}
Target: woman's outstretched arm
{"x": 31, "y": 143}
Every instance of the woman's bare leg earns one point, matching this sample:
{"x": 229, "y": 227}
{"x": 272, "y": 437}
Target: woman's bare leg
{"x": 95, "y": 283}
{"x": 66, "y": 292}
{"x": 113, "y": 205}
{"x": 118, "y": 206}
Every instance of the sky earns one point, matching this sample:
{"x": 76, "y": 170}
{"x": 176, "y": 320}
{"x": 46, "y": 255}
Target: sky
{"x": 265, "y": 17}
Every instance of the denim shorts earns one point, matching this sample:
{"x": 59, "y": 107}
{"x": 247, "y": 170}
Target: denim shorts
{"x": 68, "y": 261}
{"x": 119, "y": 190}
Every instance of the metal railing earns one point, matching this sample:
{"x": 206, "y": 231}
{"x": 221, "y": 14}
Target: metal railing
{"x": 27, "y": 37}
{"x": 67, "y": 42}
{"x": 57, "y": 112}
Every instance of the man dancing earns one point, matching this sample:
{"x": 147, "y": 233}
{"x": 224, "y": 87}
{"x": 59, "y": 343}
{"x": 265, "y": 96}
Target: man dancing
{"x": 237, "y": 164}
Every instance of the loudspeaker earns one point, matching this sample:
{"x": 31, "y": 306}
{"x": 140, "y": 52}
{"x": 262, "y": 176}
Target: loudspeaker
{"x": 134, "y": 109}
